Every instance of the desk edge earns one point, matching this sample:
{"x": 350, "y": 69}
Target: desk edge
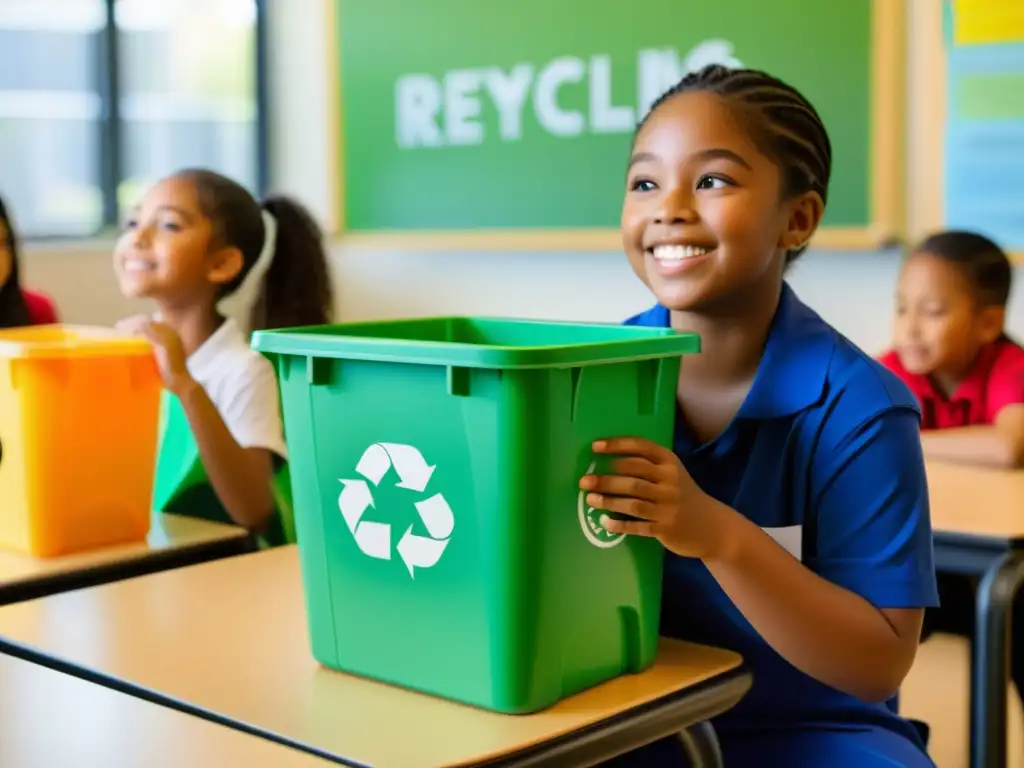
{"x": 717, "y": 694}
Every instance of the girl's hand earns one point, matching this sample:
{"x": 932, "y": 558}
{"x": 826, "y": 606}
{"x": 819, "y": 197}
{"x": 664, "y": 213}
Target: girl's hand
{"x": 170, "y": 353}
{"x": 651, "y": 485}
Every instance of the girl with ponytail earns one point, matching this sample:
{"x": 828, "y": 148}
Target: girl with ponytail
{"x": 193, "y": 241}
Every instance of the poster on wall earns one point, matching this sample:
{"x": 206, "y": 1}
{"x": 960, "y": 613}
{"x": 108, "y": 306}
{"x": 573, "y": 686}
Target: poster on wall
{"x": 984, "y": 168}
{"x": 984, "y": 22}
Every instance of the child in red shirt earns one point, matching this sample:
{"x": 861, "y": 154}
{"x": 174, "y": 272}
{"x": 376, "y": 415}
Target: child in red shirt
{"x": 18, "y": 306}
{"x": 951, "y": 350}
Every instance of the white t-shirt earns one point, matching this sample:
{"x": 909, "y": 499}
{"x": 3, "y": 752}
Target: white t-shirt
{"x": 242, "y": 385}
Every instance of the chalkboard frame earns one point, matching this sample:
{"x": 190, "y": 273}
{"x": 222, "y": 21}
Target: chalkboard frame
{"x": 887, "y": 183}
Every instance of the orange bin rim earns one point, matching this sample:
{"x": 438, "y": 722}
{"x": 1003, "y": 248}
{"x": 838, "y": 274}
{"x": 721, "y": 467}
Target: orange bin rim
{"x": 40, "y": 341}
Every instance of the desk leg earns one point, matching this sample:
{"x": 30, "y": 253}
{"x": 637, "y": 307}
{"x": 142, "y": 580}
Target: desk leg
{"x": 990, "y": 659}
{"x": 701, "y": 745}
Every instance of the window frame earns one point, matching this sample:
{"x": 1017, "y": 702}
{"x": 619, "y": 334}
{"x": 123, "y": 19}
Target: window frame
{"x": 110, "y": 134}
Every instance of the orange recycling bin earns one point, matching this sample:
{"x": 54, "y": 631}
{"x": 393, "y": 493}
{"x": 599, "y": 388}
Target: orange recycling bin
{"x": 79, "y": 413}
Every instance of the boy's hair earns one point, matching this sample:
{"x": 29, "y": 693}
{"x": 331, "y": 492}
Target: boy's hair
{"x": 296, "y": 288}
{"x": 13, "y": 310}
{"x": 782, "y": 122}
{"x": 984, "y": 265}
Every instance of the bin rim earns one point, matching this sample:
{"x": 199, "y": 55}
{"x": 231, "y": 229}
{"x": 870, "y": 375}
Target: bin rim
{"x": 76, "y": 341}
{"x": 637, "y": 343}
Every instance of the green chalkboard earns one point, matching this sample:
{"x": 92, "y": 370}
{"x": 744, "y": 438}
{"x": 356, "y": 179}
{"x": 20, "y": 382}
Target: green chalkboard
{"x": 466, "y": 115}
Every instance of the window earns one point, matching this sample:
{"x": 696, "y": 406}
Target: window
{"x": 51, "y": 114}
{"x": 99, "y": 98}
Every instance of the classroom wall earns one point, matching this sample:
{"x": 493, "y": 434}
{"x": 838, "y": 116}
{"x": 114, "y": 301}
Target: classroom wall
{"x": 852, "y": 290}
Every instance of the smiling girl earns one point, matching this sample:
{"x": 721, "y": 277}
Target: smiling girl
{"x": 18, "y": 306}
{"x": 793, "y": 503}
{"x": 189, "y": 244}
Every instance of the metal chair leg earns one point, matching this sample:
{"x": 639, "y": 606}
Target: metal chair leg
{"x": 702, "y": 747}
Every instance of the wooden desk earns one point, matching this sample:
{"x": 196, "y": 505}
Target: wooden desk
{"x": 174, "y": 541}
{"x": 227, "y": 640}
{"x": 978, "y": 521}
{"x": 975, "y": 502}
{"x": 50, "y": 719}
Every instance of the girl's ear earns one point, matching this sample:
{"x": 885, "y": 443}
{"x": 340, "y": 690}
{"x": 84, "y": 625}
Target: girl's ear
{"x": 991, "y": 321}
{"x": 225, "y": 266}
{"x": 804, "y": 216}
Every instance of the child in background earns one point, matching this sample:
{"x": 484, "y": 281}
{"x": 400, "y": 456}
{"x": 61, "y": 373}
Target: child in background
{"x": 190, "y": 243}
{"x": 950, "y": 349}
{"x": 793, "y": 505}
{"x": 18, "y": 306}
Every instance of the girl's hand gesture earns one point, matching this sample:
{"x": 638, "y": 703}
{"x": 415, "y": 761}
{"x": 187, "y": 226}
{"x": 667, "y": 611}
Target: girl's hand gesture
{"x": 170, "y": 353}
{"x": 651, "y": 485}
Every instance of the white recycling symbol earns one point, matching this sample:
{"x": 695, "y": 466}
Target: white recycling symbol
{"x": 373, "y": 538}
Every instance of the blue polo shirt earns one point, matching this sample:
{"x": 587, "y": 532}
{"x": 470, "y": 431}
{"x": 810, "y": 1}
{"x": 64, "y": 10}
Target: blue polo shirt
{"x": 825, "y": 455}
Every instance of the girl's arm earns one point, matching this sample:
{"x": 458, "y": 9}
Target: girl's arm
{"x": 822, "y": 629}
{"x": 1000, "y": 445}
{"x": 849, "y": 615}
{"x": 241, "y": 477}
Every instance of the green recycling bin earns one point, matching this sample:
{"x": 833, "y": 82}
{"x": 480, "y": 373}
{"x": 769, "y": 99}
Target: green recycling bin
{"x": 444, "y": 542}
